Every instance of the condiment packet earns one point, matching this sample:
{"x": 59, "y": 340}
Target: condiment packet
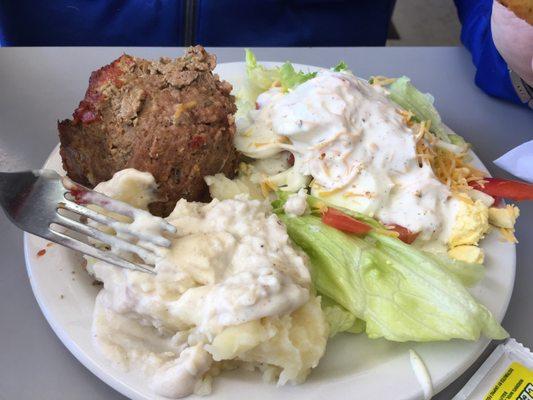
{"x": 506, "y": 375}
{"x": 518, "y": 161}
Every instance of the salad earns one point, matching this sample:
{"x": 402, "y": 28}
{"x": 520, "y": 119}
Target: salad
{"x": 378, "y": 192}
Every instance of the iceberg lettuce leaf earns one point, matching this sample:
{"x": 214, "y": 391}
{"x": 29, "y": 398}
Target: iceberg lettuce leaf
{"x": 260, "y": 77}
{"x": 340, "y": 319}
{"x": 468, "y": 273}
{"x": 400, "y": 292}
{"x": 340, "y": 67}
{"x": 290, "y": 78}
{"x": 406, "y": 95}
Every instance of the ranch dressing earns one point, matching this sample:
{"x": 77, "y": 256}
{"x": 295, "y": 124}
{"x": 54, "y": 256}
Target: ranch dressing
{"x": 296, "y": 204}
{"x": 349, "y": 137}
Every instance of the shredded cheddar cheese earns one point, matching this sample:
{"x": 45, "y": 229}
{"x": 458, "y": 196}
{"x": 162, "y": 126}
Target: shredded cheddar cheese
{"x": 508, "y": 235}
{"x": 368, "y": 195}
{"x": 329, "y": 192}
{"x": 451, "y": 168}
{"x": 270, "y": 184}
{"x": 265, "y": 189}
{"x": 408, "y": 116}
{"x": 325, "y": 143}
{"x": 463, "y": 197}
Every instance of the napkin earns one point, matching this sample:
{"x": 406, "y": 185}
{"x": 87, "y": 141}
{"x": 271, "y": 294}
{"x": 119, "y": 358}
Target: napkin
{"x": 518, "y": 161}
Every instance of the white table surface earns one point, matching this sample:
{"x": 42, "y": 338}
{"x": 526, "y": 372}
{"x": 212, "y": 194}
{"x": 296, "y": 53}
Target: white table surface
{"x": 38, "y": 86}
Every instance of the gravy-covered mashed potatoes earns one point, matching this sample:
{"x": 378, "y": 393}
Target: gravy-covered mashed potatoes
{"x": 230, "y": 287}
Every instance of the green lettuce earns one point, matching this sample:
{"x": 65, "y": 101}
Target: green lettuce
{"x": 467, "y": 273}
{"x": 290, "y": 78}
{"x": 339, "y": 319}
{"x": 406, "y": 95}
{"x": 340, "y": 67}
{"x": 400, "y": 292}
{"x": 262, "y": 78}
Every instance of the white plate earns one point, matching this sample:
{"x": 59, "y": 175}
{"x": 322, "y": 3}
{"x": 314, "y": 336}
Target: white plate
{"x": 353, "y": 367}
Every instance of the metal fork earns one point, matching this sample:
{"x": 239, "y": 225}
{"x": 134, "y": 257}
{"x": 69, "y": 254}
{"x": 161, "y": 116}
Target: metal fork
{"x": 36, "y": 201}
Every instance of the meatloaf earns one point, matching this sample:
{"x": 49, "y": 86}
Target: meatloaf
{"x": 171, "y": 117}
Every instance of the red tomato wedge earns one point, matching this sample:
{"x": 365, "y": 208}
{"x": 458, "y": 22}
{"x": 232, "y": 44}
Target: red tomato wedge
{"x": 406, "y": 235}
{"x": 508, "y": 189}
{"x": 337, "y": 219}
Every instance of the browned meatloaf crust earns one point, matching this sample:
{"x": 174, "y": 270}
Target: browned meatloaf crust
{"x": 173, "y": 118}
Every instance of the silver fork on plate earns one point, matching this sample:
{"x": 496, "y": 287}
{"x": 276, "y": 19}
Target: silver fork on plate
{"x": 45, "y": 204}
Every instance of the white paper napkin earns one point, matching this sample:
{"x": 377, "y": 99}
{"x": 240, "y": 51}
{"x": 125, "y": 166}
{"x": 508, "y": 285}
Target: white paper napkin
{"x": 518, "y": 161}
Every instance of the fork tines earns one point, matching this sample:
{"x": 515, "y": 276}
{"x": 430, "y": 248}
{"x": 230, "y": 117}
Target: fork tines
{"x": 133, "y": 239}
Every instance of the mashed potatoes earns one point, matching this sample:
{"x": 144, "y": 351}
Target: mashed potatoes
{"x": 231, "y": 287}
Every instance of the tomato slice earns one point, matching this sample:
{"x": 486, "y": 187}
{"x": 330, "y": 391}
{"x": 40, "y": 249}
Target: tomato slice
{"x": 406, "y": 235}
{"x": 508, "y": 189}
{"x": 337, "y": 219}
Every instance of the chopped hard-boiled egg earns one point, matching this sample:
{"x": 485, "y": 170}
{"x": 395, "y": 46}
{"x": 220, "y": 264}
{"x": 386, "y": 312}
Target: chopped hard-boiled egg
{"x": 467, "y": 253}
{"x": 504, "y": 217}
{"x": 471, "y": 223}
